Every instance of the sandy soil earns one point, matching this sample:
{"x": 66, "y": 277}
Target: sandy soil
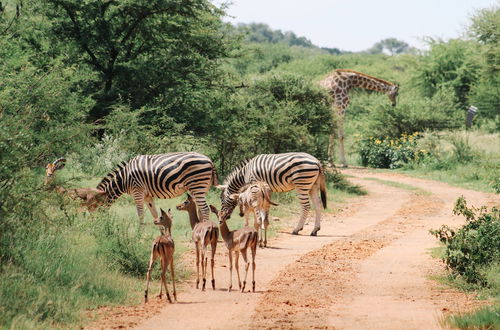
{"x": 368, "y": 268}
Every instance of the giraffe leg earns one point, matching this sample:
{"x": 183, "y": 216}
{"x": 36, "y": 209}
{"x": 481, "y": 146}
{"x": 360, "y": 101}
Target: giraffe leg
{"x": 304, "y": 202}
{"x": 343, "y": 161}
{"x": 314, "y": 194}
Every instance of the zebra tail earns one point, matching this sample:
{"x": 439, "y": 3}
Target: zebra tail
{"x": 215, "y": 179}
{"x": 322, "y": 187}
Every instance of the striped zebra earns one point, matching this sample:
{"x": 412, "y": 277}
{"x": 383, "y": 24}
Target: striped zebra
{"x": 146, "y": 177}
{"x": 282, "y": 172}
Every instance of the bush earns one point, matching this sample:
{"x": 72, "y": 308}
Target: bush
{"x": 473, "y": 250}
{"x": 390, "y": 153}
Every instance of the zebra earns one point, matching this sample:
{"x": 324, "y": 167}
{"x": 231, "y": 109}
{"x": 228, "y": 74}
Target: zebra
{"x": 282, "y": 172}
{"x": 169, "y": 175}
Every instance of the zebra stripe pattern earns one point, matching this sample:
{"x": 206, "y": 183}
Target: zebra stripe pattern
{"x": 282, "y": 172}
{"x": 146, "y": 177}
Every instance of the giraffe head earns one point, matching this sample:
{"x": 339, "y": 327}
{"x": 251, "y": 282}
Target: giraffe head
{"x": 393, "y": 93}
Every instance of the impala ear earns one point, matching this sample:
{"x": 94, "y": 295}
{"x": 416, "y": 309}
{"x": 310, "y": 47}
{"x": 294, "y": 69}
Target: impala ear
{"x": 234, "y": 196}
{"x": 214, "y": 210}
{"x": 221, "y": 186}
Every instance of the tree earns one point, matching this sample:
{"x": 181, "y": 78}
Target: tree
{"x": 141, "y": 50}
{"x": 391, "y": 45}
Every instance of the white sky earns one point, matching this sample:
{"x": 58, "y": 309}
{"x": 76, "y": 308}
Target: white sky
{"x": 356, "y": 25}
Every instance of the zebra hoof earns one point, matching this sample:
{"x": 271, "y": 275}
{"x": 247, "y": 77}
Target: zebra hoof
{"x": 295, "y": 232}
{"x": 315, "y": 232}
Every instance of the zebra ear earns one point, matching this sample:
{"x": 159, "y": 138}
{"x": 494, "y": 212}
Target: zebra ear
{"x": 221, "y": 186}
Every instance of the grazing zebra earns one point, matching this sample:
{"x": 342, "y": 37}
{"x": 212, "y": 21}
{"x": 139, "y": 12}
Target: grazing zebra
{"x": 163, "y": 176}
{"x": 282, "y": 172}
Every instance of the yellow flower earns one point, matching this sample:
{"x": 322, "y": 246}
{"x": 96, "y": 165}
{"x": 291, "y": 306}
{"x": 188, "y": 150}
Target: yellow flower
{"x": 377, "y": 141}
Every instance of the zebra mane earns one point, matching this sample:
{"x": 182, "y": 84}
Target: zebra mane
{"x": 111, "y": 175}
{"x": 235, "y": 171}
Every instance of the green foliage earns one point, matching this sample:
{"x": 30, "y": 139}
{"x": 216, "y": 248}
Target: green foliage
{"x": 392, "y": 46}
{"x": 278, "y": 113}
{"x": 416, "y": 114}
{"x": 474, "y": 248}
{"x": 390, "y": 153}
{"x": 452, "y": 64}
{"x": 262, "y": 33}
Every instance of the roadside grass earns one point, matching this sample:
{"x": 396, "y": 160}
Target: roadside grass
{"x": 399, "y": 185}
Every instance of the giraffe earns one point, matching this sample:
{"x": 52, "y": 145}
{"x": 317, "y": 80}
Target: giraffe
{"x": 338, "y": 83}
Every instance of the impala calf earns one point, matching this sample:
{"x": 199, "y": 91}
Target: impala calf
{"x": 256, "y": 198}
{"x": 238, "y": 241}
{"x": 163, "y": 247}
{"x": 91, "y": 198}
{"x": 204, "y": 233}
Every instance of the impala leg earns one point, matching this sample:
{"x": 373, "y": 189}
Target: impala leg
{"x": 254, "y": 251}
{"x": 173, "y": 276}
{"x": 164, "y": 278}
{"x": 230, "y": 271}
{"x": 204, "y": 263}
{"x": 197, "y": 264}
{"x": 212, "y": 260}
{"x": 236, "y": 265}
{"x": 148, "y": 276}
{"x": 304, "y": 202}
{"x": 314, "y": 194}
{"x": 266, "y": 224}
{"x": 247, "y": 264}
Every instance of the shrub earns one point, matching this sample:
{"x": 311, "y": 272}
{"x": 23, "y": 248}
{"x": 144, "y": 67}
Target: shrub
{"x": 390, "y": 153}
{"x": 473, "y": 249}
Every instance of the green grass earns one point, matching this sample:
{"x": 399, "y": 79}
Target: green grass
{"x": 399, "y": 185}
{"x": 484, "y": 318}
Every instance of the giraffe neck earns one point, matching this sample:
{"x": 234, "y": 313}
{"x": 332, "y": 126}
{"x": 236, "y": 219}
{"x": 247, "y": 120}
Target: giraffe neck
{"x": 370, "y": 83}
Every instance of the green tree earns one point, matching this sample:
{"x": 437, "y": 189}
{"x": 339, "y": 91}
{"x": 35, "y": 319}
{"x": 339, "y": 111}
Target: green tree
{"x": 392, "y": 46}
{"x": 163, "y": 51}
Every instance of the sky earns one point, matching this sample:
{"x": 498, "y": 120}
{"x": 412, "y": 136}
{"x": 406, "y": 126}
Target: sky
{"x": 355, "y": 25}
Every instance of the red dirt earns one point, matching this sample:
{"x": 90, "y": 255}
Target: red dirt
{"x": 368, "y": 268}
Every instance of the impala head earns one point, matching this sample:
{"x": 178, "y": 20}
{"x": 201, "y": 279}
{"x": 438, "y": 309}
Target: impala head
{"x": 184, "y": 206}
{"x": 165, "y": 220}
{"x": 228, "y": 201}
{"x": 393, "y": 94}
{"x": 51, "y": 168}
{"x": 221, "y": 215}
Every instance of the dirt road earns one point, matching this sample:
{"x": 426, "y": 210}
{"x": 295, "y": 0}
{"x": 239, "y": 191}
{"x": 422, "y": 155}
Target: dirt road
{"x": 368, "y": 268}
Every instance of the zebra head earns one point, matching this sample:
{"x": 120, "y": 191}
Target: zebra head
{"x": 228, "y": 202}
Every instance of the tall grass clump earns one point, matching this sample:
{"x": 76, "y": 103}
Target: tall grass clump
{"x": 472, "y": 254}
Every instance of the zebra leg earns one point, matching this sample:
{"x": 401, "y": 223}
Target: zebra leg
{"x": 314, "y": 194}
{"x": 304, "y": 202}
{"x": 139, "y": 204}
{"x": 201, "y": 203}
